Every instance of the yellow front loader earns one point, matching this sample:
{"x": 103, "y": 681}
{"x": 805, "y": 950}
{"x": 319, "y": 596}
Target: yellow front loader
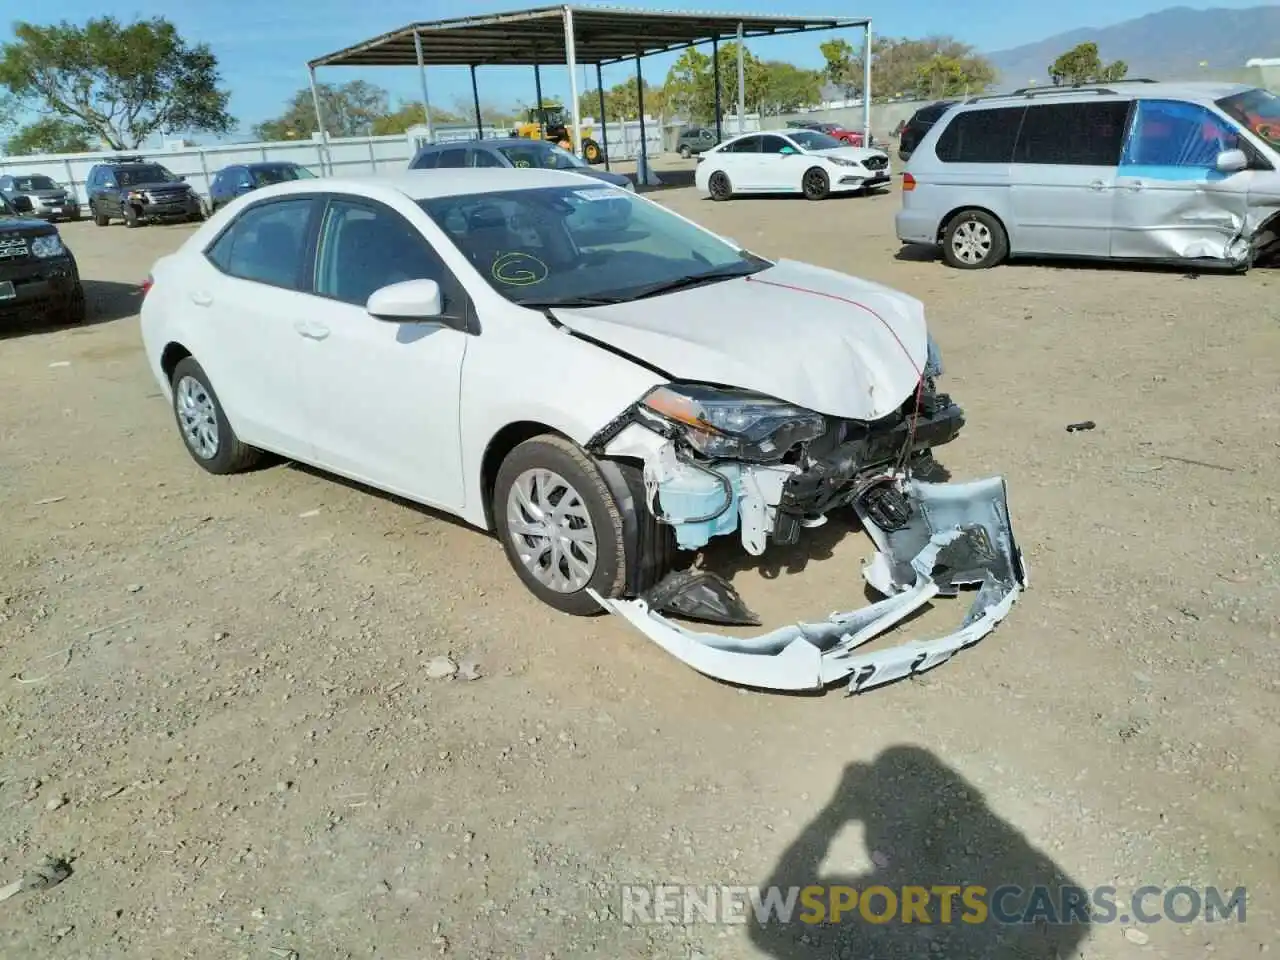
{"x": 548, "y": 122}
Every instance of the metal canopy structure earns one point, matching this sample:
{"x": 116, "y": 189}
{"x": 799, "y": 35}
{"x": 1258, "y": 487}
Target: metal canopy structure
{"x": 572, "y": 35}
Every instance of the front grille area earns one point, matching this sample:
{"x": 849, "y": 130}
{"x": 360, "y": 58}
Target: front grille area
{"x": 166, "y": 196}
{"x": 877, "y": 162}
{"x": 14, "y": 247}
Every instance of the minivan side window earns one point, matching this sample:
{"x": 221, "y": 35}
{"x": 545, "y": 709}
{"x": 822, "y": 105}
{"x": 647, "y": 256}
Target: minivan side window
{"x": 1170, "y": 133}
{"x": 1076, "y": 134}
{"x": 980, "y": 136}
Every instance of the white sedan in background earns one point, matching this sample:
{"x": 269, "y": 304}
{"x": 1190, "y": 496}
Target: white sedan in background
{"x": 789, "y": 161}
{"x": 601, "y": 382}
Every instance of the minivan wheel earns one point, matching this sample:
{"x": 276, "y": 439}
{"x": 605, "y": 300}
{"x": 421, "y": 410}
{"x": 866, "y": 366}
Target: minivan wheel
{"x": 816, "y": 184}
{"x": 719, "y": 186}
{"x": 205, "y": 431}
{"x": 560, "y": 526}
{"x": 974, "y": 240}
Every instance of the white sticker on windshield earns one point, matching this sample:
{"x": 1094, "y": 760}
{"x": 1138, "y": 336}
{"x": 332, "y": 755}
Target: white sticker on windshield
{"x": 597, "y": 193}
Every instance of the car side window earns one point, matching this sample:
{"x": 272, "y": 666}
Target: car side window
{"x": 484, "y": 158}
{"x": 266, "y": 244}
{"x": 365, "y": 247}
{"x": 456, "y": 157}
{"x": 774, "y": 145}
{"x": 427, "y": 160}
{"x": 1074, "y": 134}
{"x": 980, "y": 136}
{"x": 1170, "y": 133}
{"x": 745, "y": 145}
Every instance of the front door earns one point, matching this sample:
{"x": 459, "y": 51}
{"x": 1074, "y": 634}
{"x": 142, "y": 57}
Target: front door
{"x": 782, "y": 166}
{"x": 382, "y": 395}
{"x": 1063, "y": 177}
{"x": 1171, "y": 200}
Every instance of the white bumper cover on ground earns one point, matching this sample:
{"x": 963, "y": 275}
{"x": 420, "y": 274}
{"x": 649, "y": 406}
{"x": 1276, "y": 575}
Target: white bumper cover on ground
{"x": 958, "y": 535}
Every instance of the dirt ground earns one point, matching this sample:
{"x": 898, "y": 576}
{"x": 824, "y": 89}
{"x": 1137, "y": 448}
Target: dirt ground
{"x": 213, "y": 695}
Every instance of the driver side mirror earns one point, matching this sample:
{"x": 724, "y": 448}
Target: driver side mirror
{"x": 410, "y": 301}
{"x": 1232, "y": 161}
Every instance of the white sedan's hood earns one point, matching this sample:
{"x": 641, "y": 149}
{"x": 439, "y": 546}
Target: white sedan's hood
{"x": 794, "y": 331}
{"x": 856, "y": 154}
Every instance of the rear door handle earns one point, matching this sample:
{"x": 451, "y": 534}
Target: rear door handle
{"x": 1098, "y": 185}
{"x": 201, "y": 299}
{"x": 1137, "y": 185}
{"x": 311, "y": 330}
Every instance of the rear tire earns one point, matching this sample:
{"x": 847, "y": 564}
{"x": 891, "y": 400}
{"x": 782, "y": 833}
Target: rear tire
{"x": 568, "y": 479}
{"x": 719, "y": 186}
{"x": 203, "y": 425}
{"x": 974, "y": 240}
{"x": 685, "y": 152}
{"x": 99, "y": 218}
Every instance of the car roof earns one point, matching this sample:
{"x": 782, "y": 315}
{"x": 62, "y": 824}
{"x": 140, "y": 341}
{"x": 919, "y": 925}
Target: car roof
{"x": 428, "y": 184}
{"x": 1202, "y": 91}
{"x": 266, "y": 163}
{"x": 489, "y": 142}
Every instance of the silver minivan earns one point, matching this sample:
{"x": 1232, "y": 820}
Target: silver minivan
{"x": 1137, "y": 170}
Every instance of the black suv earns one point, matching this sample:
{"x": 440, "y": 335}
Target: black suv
{"x": 38, "y": 275}
{"x": 913, "y": 130}
{"x": 136, "y": 191}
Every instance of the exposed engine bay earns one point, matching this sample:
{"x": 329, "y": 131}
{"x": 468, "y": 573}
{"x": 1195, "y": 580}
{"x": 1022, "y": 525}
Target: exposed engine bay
{"x": 720, "y": 462}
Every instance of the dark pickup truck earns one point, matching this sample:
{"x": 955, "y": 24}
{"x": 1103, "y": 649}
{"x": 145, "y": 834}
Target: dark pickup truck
{"x": 39, "y": 278}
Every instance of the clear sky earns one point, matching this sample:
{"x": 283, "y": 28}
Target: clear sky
{"x": 263, "y": 45}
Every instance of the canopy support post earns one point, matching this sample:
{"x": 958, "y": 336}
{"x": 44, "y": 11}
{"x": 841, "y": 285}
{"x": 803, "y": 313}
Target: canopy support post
{"x": 422, "y": 80}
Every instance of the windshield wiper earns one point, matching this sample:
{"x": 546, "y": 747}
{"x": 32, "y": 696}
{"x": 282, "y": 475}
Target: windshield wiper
{"x": 570, "y": 302}
{"x": 689, "y": 281}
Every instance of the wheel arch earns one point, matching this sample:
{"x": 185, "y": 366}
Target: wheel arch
{"x": 500, "y": 444}
{"x": 172, "y": 355}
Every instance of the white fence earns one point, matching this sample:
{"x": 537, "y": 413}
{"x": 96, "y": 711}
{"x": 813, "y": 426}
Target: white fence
{"x": 344, "y": 155}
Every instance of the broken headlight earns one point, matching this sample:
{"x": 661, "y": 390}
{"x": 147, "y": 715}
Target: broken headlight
{"x": 933, "y": 360}
{"x": 733, "y": 424}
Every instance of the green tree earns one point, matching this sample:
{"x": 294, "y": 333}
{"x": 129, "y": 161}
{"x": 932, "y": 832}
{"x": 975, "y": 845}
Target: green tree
{"x": 788, "y": 87}
{"x": 123, "y": 82}
{"x": 409, "y": 115}
{"x": 621, "y": 101}
{"x": 690, "y": 86}
{"x": 350, "y": 110}
{"x": 1081, "y": 64}
{"x": 50, "y": 135}
{"x": 909, "y": 68}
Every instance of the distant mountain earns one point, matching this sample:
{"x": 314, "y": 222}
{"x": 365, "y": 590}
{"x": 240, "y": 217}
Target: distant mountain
{"x": 1170, "y": 44}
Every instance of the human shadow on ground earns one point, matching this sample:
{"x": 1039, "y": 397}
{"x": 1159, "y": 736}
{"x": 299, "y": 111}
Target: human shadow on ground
{"x": 925, "y": 826}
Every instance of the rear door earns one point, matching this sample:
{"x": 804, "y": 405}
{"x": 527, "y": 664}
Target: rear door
{"x": 741, "y": 161}
{"x": 1063, "y": 177}
{"x": 1171, "y": 201}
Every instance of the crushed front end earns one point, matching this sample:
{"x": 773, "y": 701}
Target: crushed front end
{"x": 719, "y": 462}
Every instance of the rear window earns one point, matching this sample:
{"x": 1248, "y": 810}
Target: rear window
{"x": 980, "y": 136}
{"x": 932, "y": 113}
{"x": 1075, "y": 134}
{"x": 426, "y": 161}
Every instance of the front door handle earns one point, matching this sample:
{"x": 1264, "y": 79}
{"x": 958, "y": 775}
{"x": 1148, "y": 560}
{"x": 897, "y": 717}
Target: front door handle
{"x": 201, "y": 299}
{"x": 311, "y": 330}
{"x": 1098, "y": 185}
{"x": 1137, "y": 185}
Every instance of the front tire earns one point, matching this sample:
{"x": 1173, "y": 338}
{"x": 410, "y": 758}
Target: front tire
{"x": 560, "y": 527}
{"x": 719, "y": 186}
{"x": 99, "y": 218}
{"x": 816, "y": 184}
{"x": 203, "y": 425}
{"x": 974, "y": 240}
{"x": 130, "y": 215}
{"x": 685, "y": 152}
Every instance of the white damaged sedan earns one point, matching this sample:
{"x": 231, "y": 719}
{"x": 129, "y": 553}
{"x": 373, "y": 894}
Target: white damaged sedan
{"x": 602, "y": 383}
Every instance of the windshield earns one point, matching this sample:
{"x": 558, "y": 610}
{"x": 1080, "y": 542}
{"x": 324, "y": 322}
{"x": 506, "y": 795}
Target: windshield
{"x": 279, "y": 173}
{"x": 545, "y": 155}
{"x": 813, "y": 140}
{"x": 151, "y": 173}
{"x": 1258, "y": 110}
{"x": 34, "y": 183}
{"x": 579, "y": 246}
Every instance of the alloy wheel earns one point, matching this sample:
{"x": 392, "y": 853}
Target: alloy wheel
{"x": 551, "y": 530}
{"x": 198, "y": 417}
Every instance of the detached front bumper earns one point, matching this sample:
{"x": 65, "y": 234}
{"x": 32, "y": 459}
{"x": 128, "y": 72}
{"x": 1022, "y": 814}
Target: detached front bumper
{"x": 953, "y": 536}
